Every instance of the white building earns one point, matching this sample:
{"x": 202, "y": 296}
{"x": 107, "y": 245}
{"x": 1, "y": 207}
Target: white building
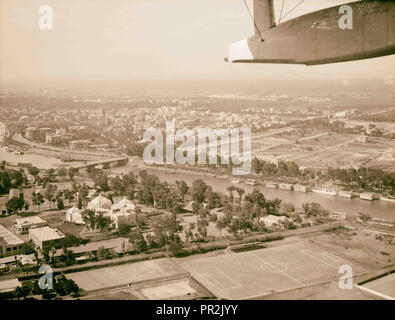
{"x": 123, "y": 212}
{"x": 100, "y": 205}
{"x": 10, "y": 244}
{"x": 74, "y": 215}
{"x": 45, "y": 237}
{"x": 23, "y": 225}
{"x": 273, "y": 221}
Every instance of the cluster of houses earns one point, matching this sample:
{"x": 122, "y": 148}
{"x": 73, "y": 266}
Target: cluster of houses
{"x": 123, "y": 212}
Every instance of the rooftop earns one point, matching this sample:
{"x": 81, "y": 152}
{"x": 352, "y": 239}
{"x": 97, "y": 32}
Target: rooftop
{"x": 29, "y": 220}
{"x": 46, "y": 233}
{"x": 273, "y": 219}
{"x": 9, "y": 285}
{"x": 94, "y": 246}
{"x": 9, "y": 237}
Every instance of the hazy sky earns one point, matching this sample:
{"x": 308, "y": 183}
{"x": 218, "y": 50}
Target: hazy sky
{"x": 131, "y": 39}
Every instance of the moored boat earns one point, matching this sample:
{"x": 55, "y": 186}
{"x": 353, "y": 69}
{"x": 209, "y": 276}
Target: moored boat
{"x": 390, "y": 199}
{"x": 324, "y": 191}
{"x": 271, "y": 185}
{"x": 346, "y": 194}
{"x": 251, "y": 182}
{"x": 300, "y": 188}
{"x": 286, "y": 186}
{"x": 368, "y": 196}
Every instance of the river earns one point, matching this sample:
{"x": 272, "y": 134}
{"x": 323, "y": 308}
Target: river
{"x": 376, "y": 209}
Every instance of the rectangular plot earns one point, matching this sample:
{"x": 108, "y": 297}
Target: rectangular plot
{"x": 225, "y": 281}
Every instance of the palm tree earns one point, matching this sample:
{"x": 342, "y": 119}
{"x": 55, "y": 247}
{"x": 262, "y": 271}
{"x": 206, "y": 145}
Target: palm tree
{"x": 230, "y": 189}
{"x": 18, "y": 292}
{"x": 240, "y": 192}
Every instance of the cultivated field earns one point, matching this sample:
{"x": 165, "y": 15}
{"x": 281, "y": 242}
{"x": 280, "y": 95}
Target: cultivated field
{"x": 124, "y": 274}
{"x": 184, "y": 288}
{"x": 267, "y": 271}
{"x": 384, "y": 286}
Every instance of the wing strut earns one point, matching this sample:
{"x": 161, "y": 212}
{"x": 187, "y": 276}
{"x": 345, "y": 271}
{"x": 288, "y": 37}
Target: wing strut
{"x": 253, "y": 20}
{"x": 289, "y": 10}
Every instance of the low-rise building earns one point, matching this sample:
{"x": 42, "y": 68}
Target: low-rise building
{"x": 46, "y": 237}
{"x": 123, "y": 212}
{"x": 9, "y": 285}
{"x": 14, "y": 193}
{"x": 23, "y": 225}
{"x": 79, "y": 144}
{"x": 74, "y": 215}
{"x": 10, "y": 244}
{"x": 273, "y": 221}
{"x": 32, "y": 133}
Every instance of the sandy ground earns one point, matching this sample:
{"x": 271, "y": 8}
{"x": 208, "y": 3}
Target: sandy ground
{"x": 361, "y": 247}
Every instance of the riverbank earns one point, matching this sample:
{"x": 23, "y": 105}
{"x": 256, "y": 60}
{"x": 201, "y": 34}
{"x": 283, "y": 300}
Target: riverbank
{"x": 350, "y": 206}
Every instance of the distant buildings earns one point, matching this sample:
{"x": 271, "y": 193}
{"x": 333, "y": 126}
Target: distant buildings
{"x": 78, "y": 130}
{"x": 79, "y": 144}
{"x": 45, "y": 237}
{"x": 10, "y": 244}
{"x": 32, "y": 133}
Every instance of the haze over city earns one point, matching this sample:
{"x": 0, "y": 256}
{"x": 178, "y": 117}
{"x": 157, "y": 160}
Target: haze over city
{"x": 150, "y": 39}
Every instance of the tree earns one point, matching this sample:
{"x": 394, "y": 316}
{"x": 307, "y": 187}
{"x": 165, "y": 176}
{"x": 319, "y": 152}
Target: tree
{"x": 200, "y": 191}
{"x": 202, "y": 225}
{"x": 68, "y": 257}
{"x": 62, "y": 172}
{"x": 124, "y": 229}
{"x": 50, "y": 192}
{"x": 230, "y": 189}
{"x": 38, "y": 199}
{"x": 34, "y": 171}
{"x": 183, "y": 188}
{"x": 314, "y": 210}
{"x": 365, "y": 217}
{"x": 79, "y": 203}
{"x": 221, "y": 224}
{"x": 14, "y": 205}
{"x": 89, "y": 218}
{"x": 175, "y": 246}
{"x": 69, "y": 195}
{"x": 72, "y": 172}
{"x": 240, "y": 193}
{"x": 26, "y": 206}
{"x": 18, "y": 292}
{"x": 60, "y": 204}
{"x": 27, "y": 248}
{"x": 102, "y": 222}
{"x": 138, "y": 241}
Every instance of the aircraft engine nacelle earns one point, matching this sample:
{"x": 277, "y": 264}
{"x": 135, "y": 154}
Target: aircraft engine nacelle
{"x": 358, "y": 30}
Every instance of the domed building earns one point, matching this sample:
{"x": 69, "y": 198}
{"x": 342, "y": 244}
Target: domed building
{"x": 100, "y": 204}
{"x": 123, "y": 212}
{"x": 74, "y": 215}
